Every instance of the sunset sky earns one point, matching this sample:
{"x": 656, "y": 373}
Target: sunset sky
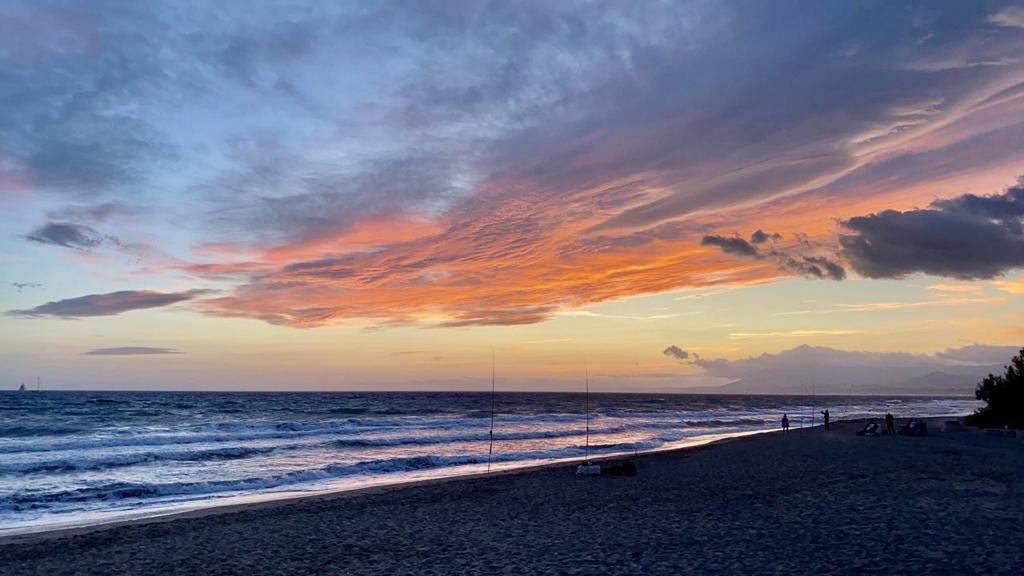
{"x": 335, "y": 195}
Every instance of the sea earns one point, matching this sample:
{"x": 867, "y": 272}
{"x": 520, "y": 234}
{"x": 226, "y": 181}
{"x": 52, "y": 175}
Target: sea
{"x": 70, "y": 459}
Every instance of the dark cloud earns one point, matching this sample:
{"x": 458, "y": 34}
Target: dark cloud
{"x": 1006, "y": 209}
{"x": 815, "y": 266}
{"x": 130, "y": 351}
{"x": 968, "y": 237}
{"x": 22, "y": 285}
{"x": 731, "y": 245}
{"x": 75, "y": 236}
{"x": 107, "y": 304}
{"x": 760, "y": 237}
{"x": 679, "y": 354}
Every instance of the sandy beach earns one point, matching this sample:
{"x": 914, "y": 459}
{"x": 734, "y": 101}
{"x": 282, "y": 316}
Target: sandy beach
{"x": 803, "y": 502}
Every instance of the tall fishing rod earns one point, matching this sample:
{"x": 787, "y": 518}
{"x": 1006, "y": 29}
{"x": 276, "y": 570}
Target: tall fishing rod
{"x": 490, "y": 445}
{"x": 814, "y": 404}
{"x": 586, "y": 372}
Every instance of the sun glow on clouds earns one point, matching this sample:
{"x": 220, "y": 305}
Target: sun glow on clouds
{"x": 458, "y": 168}
{"x": 1011, "y": 286}
{"x": 888, "y": 306}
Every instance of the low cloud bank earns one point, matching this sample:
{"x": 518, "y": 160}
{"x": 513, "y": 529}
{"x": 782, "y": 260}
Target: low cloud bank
{"x": 107, "y": 304}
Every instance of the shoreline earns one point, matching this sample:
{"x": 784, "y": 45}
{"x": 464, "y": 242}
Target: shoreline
{"x": 812, "y": 502}
{"x": 264, "y": 501}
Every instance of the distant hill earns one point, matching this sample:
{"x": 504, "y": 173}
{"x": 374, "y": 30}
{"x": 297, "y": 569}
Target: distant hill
{"x": 938, "y": 383}
{"x": 821, "y": 370}
{"x": 910, "y": 380}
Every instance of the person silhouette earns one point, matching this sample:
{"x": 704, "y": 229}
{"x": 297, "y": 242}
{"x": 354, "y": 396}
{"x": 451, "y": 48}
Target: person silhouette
{"x": 826, "y": 415}
{"x": 785, "y": 423}
{"x": 890, "y": 424}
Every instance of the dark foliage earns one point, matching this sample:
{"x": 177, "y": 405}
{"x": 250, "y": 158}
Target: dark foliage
{"x": 1004, "y": 397}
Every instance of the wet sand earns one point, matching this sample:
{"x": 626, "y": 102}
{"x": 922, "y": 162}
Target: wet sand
{"x": 802, "y": 502}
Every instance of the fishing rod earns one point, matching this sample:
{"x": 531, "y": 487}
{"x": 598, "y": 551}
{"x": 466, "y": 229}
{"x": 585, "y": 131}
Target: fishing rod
{"x": 586, "y": 372}
{"x": 490, "y": 445}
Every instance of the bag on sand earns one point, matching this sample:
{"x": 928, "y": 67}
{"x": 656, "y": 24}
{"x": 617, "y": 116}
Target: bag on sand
{"x": 915, "y": 427}
{"x": 870, "y": 429}
{"x": 626, "y": 468}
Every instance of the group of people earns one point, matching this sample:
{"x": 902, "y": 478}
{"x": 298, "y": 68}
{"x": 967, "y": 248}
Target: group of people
{"x": 890, "y": 422}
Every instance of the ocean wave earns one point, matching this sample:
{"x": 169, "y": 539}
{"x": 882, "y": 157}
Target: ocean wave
{"x": 359, "y": 430}
{"x": 292, "y": 480}
{"x": 107, "y": 461}
{"x": 222, "y": 432}
{"x": 137, "y": 490}
{"x": 173, "y": 452}
{"x": 26, "y": 431}
{"x": 353, "y": 430}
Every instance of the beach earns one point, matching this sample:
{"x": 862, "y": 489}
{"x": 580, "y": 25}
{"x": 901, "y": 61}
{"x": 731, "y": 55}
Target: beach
{"x": 808, "y": 501}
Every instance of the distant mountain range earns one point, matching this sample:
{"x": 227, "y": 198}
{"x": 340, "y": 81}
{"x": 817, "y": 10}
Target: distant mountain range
{"x": 818, "y": 370}
{"x": 827, "y": 380}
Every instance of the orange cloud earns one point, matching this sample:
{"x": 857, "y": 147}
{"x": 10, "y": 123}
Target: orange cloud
{"x": 527, "y": 243}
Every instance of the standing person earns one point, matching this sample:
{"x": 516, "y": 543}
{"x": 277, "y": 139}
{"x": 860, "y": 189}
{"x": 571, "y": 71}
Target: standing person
{"x": 890, "y": 424}
{"x": 826, "y": 415}
{"x": 785, "y": 423}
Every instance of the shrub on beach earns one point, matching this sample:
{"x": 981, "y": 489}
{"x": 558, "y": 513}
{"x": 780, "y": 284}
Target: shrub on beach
{"x": 1004, "y": 397}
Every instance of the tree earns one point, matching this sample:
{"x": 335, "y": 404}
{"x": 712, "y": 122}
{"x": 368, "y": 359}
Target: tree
{"x": 1004, "y": 397}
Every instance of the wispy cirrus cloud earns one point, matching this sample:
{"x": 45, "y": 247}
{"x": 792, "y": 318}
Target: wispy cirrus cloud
{"x": 1011, "y": 286}
{"x": 640, "y": 317}
{"x": 530, "y": 315}
{"x": 1008, "y": 16}
{"x": 894, "y": 305}
{"x": 802, "y": 333}
{"x": 956, "y": 288}
{"x": 97, "y": 212}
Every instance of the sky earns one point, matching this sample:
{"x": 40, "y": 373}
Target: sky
{"x": 380, "y": 195}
